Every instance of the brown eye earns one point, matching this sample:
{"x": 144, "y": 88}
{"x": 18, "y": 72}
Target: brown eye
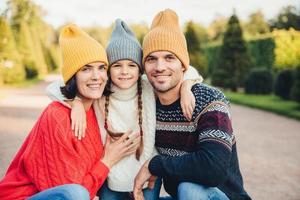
{"x": 150, "y": 59}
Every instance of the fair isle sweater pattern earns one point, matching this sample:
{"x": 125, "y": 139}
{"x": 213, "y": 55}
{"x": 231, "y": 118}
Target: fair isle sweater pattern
{"x": 186, "y": 136}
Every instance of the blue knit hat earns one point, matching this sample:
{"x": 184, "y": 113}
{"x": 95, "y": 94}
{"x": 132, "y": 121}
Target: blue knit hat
{"x": 123, "y": 45}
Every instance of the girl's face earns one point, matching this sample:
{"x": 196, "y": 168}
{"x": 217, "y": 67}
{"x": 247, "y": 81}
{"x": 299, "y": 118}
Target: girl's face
{"x": 91, "y": 80}
{"x": 124, "y": 73}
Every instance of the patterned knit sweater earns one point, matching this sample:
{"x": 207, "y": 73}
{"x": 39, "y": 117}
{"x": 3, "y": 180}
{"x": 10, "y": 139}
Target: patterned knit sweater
{"x": 51, "y": 156}
{"x": 201, "y": 151}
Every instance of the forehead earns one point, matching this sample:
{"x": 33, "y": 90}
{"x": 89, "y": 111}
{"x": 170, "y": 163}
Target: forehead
{"x": 95, "y": 64}
{"x": 161, "y": 54}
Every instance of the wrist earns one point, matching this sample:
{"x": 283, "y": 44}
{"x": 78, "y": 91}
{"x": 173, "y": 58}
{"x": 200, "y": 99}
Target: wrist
{"x": 106, "y": 162}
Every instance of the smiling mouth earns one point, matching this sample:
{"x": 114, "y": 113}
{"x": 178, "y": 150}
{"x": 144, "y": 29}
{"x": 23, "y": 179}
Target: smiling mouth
{"x": 94, "y": 86}
{"x": 125, "y": 79}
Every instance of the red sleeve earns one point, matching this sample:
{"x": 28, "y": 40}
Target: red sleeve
{"x": 53, "y": 157}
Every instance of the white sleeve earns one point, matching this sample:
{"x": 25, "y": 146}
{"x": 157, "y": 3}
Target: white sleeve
{"x": 54, "y": 93}
{"x": 192, "y": 74}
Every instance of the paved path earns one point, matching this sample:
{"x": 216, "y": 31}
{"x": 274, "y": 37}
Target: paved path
{"x": 268, "y": 144}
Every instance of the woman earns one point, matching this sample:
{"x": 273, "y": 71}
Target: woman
{"x": 52, "y": 163}
{"x": 130, "y": 106}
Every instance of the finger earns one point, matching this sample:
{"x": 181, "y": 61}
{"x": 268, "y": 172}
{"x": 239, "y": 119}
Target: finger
{"x": 76, "y": 130}
{"x": 152, "y": 181}
{"x": 132, "y": 139}
{"x": 124, "y": 137}
{"x": 72, "y": 124}
{"x": 84, "y": 129}
{"x": 79, "y": 131}
{"x": 151, "y": 185}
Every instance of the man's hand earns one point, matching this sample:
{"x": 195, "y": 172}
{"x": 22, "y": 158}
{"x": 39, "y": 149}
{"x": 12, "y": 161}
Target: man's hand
{"x": 141, "y": 178}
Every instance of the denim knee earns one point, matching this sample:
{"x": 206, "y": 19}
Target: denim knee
{"x": 192, "y": 191}
{"x": 76, "y": 192}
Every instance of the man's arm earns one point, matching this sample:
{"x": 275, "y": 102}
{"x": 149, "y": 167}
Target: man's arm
{"x": 209, "y": 164}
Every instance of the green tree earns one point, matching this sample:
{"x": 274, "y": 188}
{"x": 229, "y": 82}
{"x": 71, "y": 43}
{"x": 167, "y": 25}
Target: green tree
{"x": 234, "y": 60}
{"x": 257, "y": 24}
{"x": 11, "y": 69}
{"x": 217, "y": 28}
{"x": 197, "y": 57}
{"x": 289, "y": 17}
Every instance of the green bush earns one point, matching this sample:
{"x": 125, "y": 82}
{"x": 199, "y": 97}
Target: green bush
{"x": 295, "y": 91}
{"x": 283, "y": 83}
{"x": 262, "y": 51}
{"x": 259, "y": 81}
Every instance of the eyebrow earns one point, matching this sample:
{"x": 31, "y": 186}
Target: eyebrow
{"x": 102, "y": 65}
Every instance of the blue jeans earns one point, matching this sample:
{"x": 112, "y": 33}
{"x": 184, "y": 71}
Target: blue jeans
{"x": 107, "y": 194}
{"x": 63, "y": 192}
{"x": 193, "y": 191}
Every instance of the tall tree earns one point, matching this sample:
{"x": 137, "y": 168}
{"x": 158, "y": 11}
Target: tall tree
{"x": 11, "y": 69}
{"x": 234, "y": 59}
{"x": 194, "y": 47}
{"x": 217, "y": 28}
{"x": 257, "y": 24}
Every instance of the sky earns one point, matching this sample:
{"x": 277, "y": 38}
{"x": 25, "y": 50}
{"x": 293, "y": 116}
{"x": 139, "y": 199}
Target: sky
{"x": 104, "y": 12}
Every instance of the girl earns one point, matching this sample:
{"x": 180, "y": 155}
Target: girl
{"x": 129, "y": 106}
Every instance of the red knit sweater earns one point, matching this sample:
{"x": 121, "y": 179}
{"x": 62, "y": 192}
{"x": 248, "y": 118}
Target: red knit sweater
{"x": 52, "y": 156}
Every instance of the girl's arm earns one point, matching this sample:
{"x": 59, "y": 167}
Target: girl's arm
{"x": 78, "y": 115}
{"x": 187, "y": 99}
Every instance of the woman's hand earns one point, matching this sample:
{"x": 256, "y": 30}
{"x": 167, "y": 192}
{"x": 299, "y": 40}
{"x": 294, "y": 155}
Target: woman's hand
{"x": 78, "y": 119}
{"x": 115, "y": 151}
{"x": 187, "y": 99}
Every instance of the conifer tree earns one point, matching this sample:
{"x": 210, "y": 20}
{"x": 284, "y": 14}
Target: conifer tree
{"x": 234, "y": 59}
{"x": 197, "y": 59}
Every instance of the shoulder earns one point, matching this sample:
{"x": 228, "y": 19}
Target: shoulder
{"x": 56, "y": 114}
{"x": 206, "y": 95}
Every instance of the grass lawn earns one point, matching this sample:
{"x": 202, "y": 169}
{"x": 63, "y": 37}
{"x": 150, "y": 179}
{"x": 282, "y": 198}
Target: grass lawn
{"x": 267, "y": 102}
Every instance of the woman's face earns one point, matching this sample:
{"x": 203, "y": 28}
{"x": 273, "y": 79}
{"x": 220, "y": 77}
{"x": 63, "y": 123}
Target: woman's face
{"x": 91, "y": 80}
{"x": 124, "y": 73}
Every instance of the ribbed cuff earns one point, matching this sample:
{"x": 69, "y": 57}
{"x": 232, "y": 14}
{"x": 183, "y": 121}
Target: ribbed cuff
{"x": 155, "y": 166}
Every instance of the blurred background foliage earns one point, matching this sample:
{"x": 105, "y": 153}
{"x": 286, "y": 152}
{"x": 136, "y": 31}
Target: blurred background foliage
{"x": 248, "y": 56}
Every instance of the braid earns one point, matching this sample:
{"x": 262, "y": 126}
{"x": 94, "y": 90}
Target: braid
{"x": 140, "y": 114}
{"x": 108, "y": 85}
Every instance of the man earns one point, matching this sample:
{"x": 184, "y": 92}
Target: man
{"x": 198, "y": 158}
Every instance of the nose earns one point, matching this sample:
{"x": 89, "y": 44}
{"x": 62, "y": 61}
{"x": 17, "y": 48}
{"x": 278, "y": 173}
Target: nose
{"x": 160, "y": 66}
{"x": 96, "y": 74}
{"x": 124, "y": 70}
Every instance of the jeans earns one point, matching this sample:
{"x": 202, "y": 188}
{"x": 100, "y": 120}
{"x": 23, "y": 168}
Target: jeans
{"x": 63, "y": 192}
{"x": 193, "y": 191}
{"x": 107, "y": 194}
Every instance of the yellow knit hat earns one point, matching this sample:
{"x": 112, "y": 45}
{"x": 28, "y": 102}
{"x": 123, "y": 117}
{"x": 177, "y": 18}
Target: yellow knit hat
{"x": 78, "y": 49}
{"x": 165, "y": 35}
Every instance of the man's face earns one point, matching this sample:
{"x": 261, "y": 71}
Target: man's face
{"x": 164, "y": 70}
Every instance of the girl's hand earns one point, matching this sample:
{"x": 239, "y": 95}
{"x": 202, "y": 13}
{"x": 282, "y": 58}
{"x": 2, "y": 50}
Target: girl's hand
{"x": 115, "y": 151}
{"x": 78, "y": 119}
{"x": 187, "y": 99}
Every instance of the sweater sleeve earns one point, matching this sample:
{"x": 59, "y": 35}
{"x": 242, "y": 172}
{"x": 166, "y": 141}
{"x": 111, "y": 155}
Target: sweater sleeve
{"x": 208, "y": 165}
{"x": 192, "y": 74}
{"x": 53, "y": 91}
{"x": 53, "y": 157}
